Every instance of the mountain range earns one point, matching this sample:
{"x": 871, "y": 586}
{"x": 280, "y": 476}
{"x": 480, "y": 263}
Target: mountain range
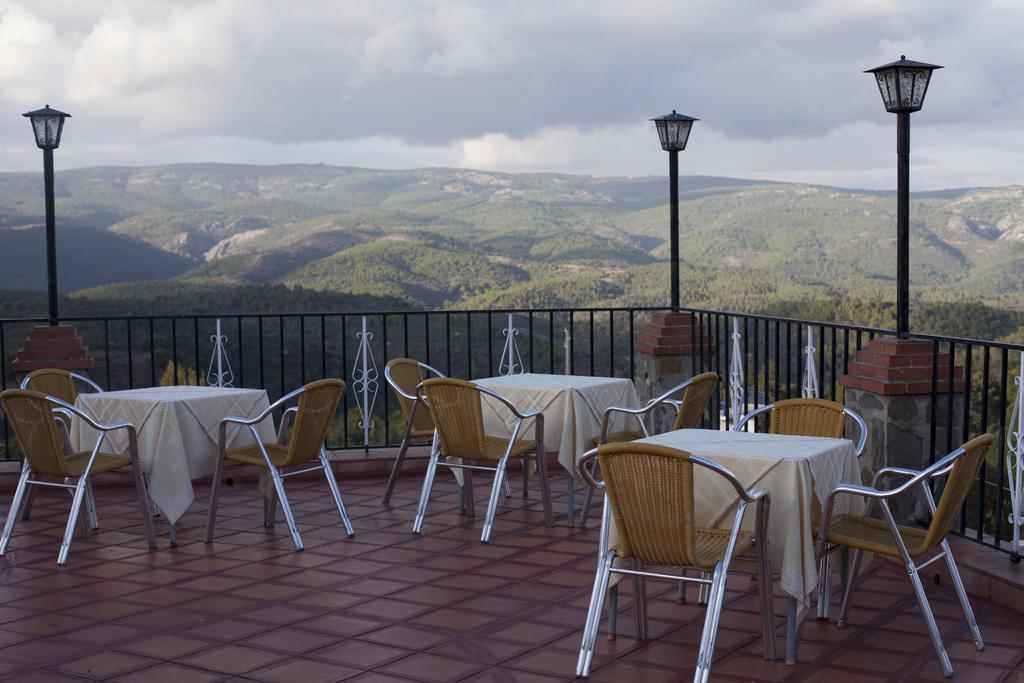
{"x": 431, "y": 238}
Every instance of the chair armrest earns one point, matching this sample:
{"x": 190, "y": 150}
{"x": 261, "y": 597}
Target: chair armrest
{"x": 286, "y": 422}
{"x": 508, "y": 404}
{"x": 71, "y": 412}
{"x": 234, "y": 419}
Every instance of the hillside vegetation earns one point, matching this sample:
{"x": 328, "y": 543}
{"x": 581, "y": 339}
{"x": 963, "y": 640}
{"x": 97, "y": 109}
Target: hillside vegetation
{"x": 451, "y": 238}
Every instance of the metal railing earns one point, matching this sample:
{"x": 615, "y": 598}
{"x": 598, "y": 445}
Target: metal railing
{"x": 278, "y": 352}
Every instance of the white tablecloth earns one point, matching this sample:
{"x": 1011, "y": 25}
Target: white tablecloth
{"x": 573, "y": 406}
{"x": 177, "y": 429}
{"x": 798, "y": 471}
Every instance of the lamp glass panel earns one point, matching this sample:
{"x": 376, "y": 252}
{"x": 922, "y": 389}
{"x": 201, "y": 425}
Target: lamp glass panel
{"x": 887, "y": 87}
{"x": 662, "y": 127}
{"x": 682, "y": 133}
{"x": 47, "y": 130}
{"x": 913, "y": 84}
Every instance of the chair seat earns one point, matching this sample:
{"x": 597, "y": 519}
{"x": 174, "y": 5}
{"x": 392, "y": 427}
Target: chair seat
{"x": 711, "y": 544}
{"x": 873, "y": 535}
{"x": 75, "y": 464}
{"x": 251, "y": 455}
{"x": 495, "y": 446}
{"x": 625, "y": 436}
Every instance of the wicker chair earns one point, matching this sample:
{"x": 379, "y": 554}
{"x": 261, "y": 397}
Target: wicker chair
{"x": 650, "y": 495}
{"x": 404, "y": 375}
{"x": 39, "y": 423}
{"x": 809, "y": 417}
{"x": 689, "y": 410}
{"x": 456, "y": 408}
{"x": 909, "y": 544}
{"x": 309, "y": 422}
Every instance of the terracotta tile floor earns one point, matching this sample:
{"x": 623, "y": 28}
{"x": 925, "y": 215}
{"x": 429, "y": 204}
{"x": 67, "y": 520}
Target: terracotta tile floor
{"x": 387, "y": 606}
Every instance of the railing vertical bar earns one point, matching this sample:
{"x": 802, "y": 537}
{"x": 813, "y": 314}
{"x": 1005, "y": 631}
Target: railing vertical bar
{"x": 241, "y": 352}
{"x": 778, "y": 363}
{"x": 530, "y": 326}
{"x": 727, "y": 375}
{"x": 174, "y": 351}
{"x": 934, "y": 402}
{"x": 195, "y": 348}
{"x": 846, "y": 350}
{"x": 280, "y": 335}
{"x": 426, "y": 337}
{"x": 949, "y": 397}
{"x": 344, "y": 371}
{"x": 983, "y": 471}
{"x": 756, "y": 363}
{"x": 152, "y": 355}
{"x": 789, "y": 360}
{"x": 469, "y": 346}
{"x": 572, "y": 343}
{"x": 106, "y": 350}
{"x": 832, "y": 383}
{"x": 1000, "y": 515}
{"x": 747, "y": 367}
{"x": 591, "y": 343}
{"x": 302, "y": 348}
{"x": 384, "y": 356}
{"x": 448, "y": 343}
{"x": 3, "y": 385}
{"x": 490, "y": 344}
{"x": 551, "y": 342}
{"x": 611, "y": 343}
{"x": 821, "y": 361}
{"x": 131, "y": 373}
{"x": 632, "y": 349}
{"x": 323, "y": 346}
{"x": 965, "y": 427}
{"x": 259, "y": 331}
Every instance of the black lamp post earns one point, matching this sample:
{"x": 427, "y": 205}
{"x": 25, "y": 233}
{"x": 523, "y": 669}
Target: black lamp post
{"x": 903, "y": 85}
{"x": 47, "y": 125}
{"x": 673, "y": 131}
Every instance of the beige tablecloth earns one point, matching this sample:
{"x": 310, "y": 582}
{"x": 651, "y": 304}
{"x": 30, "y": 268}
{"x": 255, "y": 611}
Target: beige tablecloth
{"x": 798, "y": 471}
{"x": 573, "y": 406}
{"x": 177, "y": 428}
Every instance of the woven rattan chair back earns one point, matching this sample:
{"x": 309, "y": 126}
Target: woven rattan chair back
{"x": 33, "y": 420}
{"x": 695, "y": 401}
{"x": 958, "y": 484}
{"x": 650, "y": 490}
{"x": 53, "y": 382}
{"x": 408, "y": 374}
{"x": 456, "y": 410}
{"x": 808, "y": 417}
{"x": 316, "y": 407}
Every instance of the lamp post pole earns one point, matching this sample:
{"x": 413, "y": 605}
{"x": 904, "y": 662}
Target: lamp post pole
{"x": 673, "y": 228}
{"x": 51, "y": 236}
{"x": 903, "y": 225}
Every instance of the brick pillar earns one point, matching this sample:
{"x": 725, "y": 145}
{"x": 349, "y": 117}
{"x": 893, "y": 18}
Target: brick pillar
{"x": 52, "y": 347}
{"x": 666, "y": 350}
{"x": 889, "y": 384}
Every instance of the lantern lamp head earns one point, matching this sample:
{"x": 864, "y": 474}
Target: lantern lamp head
{"x": 674, "y": 130}
{"x": 47, "y": 124}
{"x": 903, "y": 84}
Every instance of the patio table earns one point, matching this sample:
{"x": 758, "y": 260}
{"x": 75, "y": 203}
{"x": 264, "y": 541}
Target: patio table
{"x": 177, "y": 432}
{"x": 799, "y": 472}
{"x": 573, "y": 406}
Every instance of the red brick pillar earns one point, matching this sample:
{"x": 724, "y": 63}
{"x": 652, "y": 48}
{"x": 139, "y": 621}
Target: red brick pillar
{"x": 889, "y": 383}
{"x": 667, "y": 352}
{"x": 52, "y": 347}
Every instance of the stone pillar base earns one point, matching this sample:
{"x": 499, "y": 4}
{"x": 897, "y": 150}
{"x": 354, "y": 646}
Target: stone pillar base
{"x": 889, "y": 384}
{"x": 667, "y": 348}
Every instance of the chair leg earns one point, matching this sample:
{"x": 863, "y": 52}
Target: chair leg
{"x": 90, "y": 506}
{"x": 824, "y": 586}
{"x": 852, "y": 574}
{"x": 467, "y": 487}
{"x": 706, "y": 653}
{"x": 275, "y": 476}
{"x": 640, "y": 602}
{"x": 428, "y": 481}
{"x": 462, "y": 499}
{"x": 593, "y": 622}
{"x": 12, "y": 515}
{"x": 613, "y": 612}
{"x": 143, "y": 495}
{"x": 570, "y": 501}
{"x": 764, "y": 594}
{"x": 961, "y": 593}
{"x": 30, "y": 499}
{"x": 396, "y": 468}
{"x": 269, "y": 509}
{"x": 929, "y": 619}
{"x": 704, "y": 592}
{"x": 492, "y": 504}
{"x": 332, "y": 483}
{"x": 681, "y": 589}
{"x": 69, "y": 529}
{"x": 508, "y": 488}
{"x": 526, "y": 476}
{"x": 211, "y": 515}
{"x": 545, "y": 487}
{"x": 588, "y": 500}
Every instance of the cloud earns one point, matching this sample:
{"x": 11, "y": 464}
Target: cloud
{"x": 534, "y": 85}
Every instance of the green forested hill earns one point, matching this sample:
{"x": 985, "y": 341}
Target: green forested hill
{"x": 455, "y": 237}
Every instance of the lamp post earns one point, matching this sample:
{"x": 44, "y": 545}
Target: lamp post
{"x": 673, "y": 131}
{"x": 47, "y": 125}
{"x": 903, "y": 85}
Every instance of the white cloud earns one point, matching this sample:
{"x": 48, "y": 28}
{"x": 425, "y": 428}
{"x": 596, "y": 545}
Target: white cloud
{"x": 532, "y": 85}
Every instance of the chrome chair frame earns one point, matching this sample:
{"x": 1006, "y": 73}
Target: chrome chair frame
{"x": 606, "y": 556}
{"x": 641, "y": 415}
{"x": 862, "y": 434}
{"x": 27, "y": 506}
{"x": 400, "y": 458}
{"x": 277, "y": 476}
{"x": 881, "y": 497}
{"x": 540, "y": 456}
{"x": 81, "y": 489}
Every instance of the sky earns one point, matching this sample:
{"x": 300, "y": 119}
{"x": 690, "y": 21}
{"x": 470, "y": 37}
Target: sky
{"x": 506, "y": 85}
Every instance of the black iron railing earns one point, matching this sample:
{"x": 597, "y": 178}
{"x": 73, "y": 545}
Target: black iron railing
{"x": 281, "y": 351}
